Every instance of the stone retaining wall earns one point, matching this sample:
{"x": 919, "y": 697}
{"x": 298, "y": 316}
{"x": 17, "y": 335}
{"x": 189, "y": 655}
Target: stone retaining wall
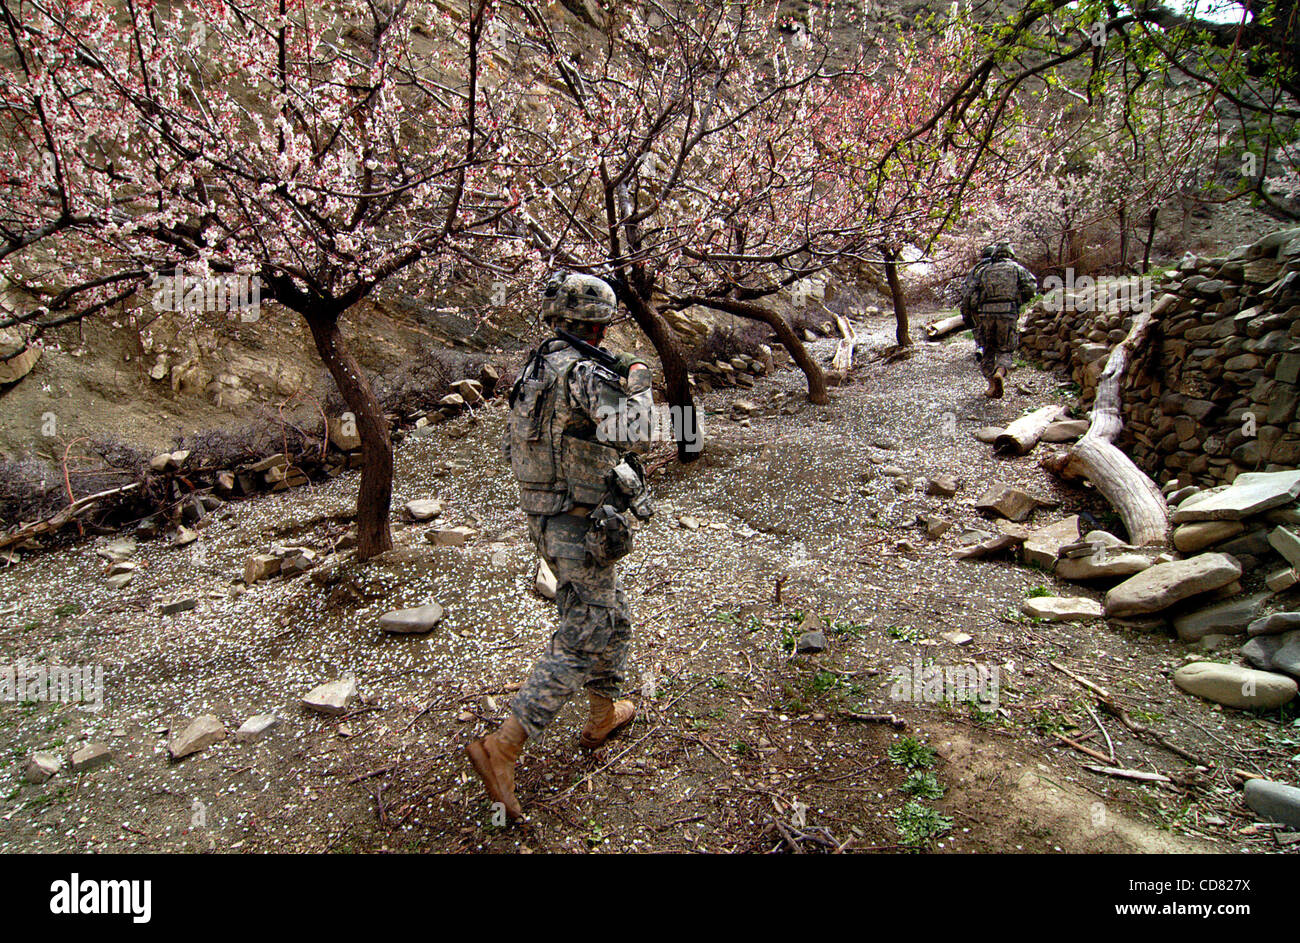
{"x": 1215, "y": 393}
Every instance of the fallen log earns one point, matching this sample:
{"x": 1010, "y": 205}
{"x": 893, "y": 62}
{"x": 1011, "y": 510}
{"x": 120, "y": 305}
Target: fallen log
{"x": 943, "y": 327}
{"x": 1020, "y": 437}
{"x": 843, "y": 359}
{"x": 1130, "y": 491}
{"x": 53, "y": 523}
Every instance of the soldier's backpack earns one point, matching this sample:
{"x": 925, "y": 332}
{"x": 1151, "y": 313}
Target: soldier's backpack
{"x": 999, "y": 287}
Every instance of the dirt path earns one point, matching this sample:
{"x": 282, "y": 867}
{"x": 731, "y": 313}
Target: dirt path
{"x": 740, "y": 744}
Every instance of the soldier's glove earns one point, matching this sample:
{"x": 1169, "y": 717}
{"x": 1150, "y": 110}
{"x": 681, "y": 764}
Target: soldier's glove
{"x": 610, "y": 536}
{"x": 627, "y": 485}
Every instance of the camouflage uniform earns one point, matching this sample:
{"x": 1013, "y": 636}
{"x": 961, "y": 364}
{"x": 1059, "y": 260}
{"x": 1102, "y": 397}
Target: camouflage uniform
{"x": 967, "y": 305}
{"x": 998, "y": 332}
{"x": 556, "y": 412}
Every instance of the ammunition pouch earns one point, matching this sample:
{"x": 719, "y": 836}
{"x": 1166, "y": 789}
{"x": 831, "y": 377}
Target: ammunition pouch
{"x": 610, "y": 536}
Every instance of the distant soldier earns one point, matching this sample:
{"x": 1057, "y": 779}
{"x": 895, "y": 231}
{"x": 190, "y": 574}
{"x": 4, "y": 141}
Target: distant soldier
{"x": 997, "y": 292}
{"x": 577, "y": 415}
{"x": 967, "y": 306}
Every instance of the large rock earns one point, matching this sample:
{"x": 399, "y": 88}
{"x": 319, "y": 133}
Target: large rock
{"x": 1286, "y": 542}
{"x": 1044, "y": 545}
{"x": 1274, "y": 802}
{"x": 1102, "y": 566}
{"x": 1249, "y": 494}
{"x": 1062, "y": 608}
{"x": 333, "y": 697}
{"x": 202, "y": 732}
{"x": 412, "y": 621}
{"x": 1065, "y": 430}
{"x": 1229, "y": 617}
{"x": 1274, "y": 624}
{"x": 1164, "y": 584}
{"x": 1189, "y": 538}
{"x": 1287, "y": 656}
{"x": 1259, "y": 652}
{"x": 1234, "y": 685}
{"x": 1011, "y": 503}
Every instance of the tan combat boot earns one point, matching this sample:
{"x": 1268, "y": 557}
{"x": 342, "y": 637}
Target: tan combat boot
{"x": 607, "y": 718}
{"x": 494, "y": 758}
{"x": 995, "y": 383}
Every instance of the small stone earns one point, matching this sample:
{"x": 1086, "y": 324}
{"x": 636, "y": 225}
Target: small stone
{"x": 1286, "y": 542}
{"x": 118, "y": 550}
{"x": 1287, "y": 657}
{"x": 1062, "y": 608}
{"x": 261, "y": 566}
{"x": 412, "y": 621}
{"x": 424, "y": 509}
{"x": 1281, "y": 580}
{"x": 41, "y": 766}
{"x": 688, "y": 522}
{"x": 255, "y": 727}
{"x": 332, "y": 697}
{"x": 1044, "y": 544}
{"x": 199, "y": 735}
{"x": 120, "y": 580}
{"x": 1011, "y": 503}
{"x": 944, "y": 486}
{"x": 811, "y": 643}
{"x": 450, "y": 536}
{"x": 178, "y": 605}
{"x": 1235, "y": 686}
{"x": 90, "y": 756}
{"x": 989, "y": 434}
{"x": 958, "y": 638}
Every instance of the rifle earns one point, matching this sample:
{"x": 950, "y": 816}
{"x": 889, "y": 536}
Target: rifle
{"x": 619, "y": 365}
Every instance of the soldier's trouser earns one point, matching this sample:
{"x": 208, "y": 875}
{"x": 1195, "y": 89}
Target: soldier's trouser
{"x": 1001, "y": 336}
{"x": 972, "y": 322}
{"x": 591, "y": 646}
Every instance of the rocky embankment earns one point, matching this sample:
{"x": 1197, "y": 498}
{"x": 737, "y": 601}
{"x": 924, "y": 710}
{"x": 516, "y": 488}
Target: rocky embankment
{"x": 1216, "y": 393}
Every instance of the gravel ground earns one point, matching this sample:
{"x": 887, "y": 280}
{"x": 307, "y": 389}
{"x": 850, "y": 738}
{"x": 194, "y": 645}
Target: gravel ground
{"x": 740, "y": 744}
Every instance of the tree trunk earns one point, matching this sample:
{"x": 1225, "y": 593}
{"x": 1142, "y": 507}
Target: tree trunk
{"x": 1151, "y": 238}
{"x": 784, "y": 333}
{"x": 1133, "y": 494}
{"x": 1021, "y": 436}
{"x": 375, "y": 496}
{"x": 676, "y": 379}
{"x": 943, "y": 327}
{"x": 901, "y": 334}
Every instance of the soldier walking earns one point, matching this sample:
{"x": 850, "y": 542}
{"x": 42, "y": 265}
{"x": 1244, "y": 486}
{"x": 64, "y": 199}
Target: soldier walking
{"x": 995, "y": 294}
{"x": 577, "y": 417}
{"x": 967, "y": 306}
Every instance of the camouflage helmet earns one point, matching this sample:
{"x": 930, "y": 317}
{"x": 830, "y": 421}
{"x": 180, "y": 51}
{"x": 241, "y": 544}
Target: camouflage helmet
{"x": 1003, "y": 250}
{"x": 988, "y": 250}
{"x": 570, "y": 296}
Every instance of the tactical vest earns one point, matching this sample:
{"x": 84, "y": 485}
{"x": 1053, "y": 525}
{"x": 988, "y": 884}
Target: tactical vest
{"x": 553, "y": 449}
{"x": 999, "y": 288}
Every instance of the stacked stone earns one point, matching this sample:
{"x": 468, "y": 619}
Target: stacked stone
{"x": 1217, "y": 395}
{"x": 736, "y": 371}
